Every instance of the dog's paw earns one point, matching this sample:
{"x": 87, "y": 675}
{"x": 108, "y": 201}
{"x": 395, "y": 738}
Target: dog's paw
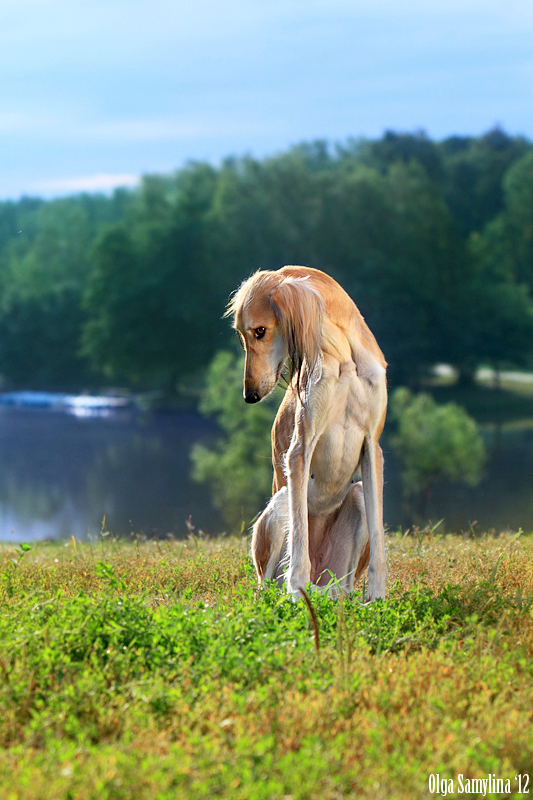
{"x": 299, "y": 592}
{"x": 366, "y": 601}
{"x": 332, "y": 590}
{"x": 373, "y": 593}
{"x": 377, "y": 585}
{"x": 294, "y": 579}
{"x": 294, "y": 593}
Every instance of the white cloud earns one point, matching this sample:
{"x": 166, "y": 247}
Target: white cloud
{"x": 100, "y": 182}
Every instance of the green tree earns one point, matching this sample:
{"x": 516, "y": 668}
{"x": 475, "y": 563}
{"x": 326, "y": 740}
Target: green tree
{"x": 265, "y": 213}
{"x": 404, "y": 148}
{"x": 394, "y": 246}
{"x": 153, "y": 305}
{"x": 40, "y": 306}
{"x": 501, "y": 303}
{"x": 475, "y": 168}
{"x": 506, "y": 244}
{"x": 517, "y": 219}
{"x": 44, "y": 265}
{"x": 432, "y": 240}
{"x": 434, "y": 443}
{"x": 238, "y": 467}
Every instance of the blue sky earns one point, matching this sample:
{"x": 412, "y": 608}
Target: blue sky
{"x": 94, "y": 93}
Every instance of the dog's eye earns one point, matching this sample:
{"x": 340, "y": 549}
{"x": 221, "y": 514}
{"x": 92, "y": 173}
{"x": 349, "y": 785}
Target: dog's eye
{"x": 259, "y": 333}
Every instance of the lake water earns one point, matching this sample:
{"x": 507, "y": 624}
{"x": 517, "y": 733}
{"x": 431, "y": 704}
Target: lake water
{"x": 61, "y": 474}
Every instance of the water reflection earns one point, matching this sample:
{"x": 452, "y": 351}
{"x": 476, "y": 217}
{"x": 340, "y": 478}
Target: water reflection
{"x": 503, "y": 500}
{"x": 61, "y": 474}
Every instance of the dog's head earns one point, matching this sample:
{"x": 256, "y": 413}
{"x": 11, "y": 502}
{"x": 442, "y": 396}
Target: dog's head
{"x": 277, "y": 318}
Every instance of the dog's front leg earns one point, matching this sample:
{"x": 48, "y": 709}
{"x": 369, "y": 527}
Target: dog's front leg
{"x": 372, "y": 469}
{"x": 298, "y": 465}
{"x": 311, "y": 419}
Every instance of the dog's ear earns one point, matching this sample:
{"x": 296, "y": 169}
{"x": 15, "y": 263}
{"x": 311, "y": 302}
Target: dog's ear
{"x": 299, "y": 312}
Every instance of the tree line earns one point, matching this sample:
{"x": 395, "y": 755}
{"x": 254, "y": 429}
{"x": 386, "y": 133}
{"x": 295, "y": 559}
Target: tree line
{"x": 433, "y": 240}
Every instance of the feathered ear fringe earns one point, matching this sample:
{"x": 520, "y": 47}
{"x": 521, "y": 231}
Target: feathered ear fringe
{"x": 236, "y": 301}
{"x": 299, "y": 311}
{"x": 248, "y": 289}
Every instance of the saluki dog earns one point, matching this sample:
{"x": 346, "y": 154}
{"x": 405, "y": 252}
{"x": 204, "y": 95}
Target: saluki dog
{"x": 321, "y": 526}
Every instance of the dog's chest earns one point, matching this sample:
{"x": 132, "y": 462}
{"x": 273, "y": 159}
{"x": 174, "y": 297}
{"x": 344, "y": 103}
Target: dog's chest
{"x": 334, "y": 462}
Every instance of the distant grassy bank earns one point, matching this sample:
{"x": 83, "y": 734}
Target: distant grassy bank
{"x": 487, "y": 405}
{"x": 156, "y": 670}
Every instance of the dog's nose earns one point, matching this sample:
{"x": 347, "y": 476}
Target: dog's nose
{"x": 252, "y": 396}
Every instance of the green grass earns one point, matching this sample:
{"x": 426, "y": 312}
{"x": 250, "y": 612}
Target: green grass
{"x": 157, "y": 670}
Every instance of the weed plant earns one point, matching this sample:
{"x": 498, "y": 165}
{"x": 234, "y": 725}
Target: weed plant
{"x": 159, "y": 670}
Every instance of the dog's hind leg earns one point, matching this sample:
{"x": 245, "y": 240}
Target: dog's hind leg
{"x": 347, "y": 547}
{"x": 269, "y": 538}
{"x": 352, "y": 526}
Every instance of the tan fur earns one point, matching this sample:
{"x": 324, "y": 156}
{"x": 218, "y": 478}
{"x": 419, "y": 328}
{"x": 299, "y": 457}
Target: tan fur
{"x": 320, "y": 523}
